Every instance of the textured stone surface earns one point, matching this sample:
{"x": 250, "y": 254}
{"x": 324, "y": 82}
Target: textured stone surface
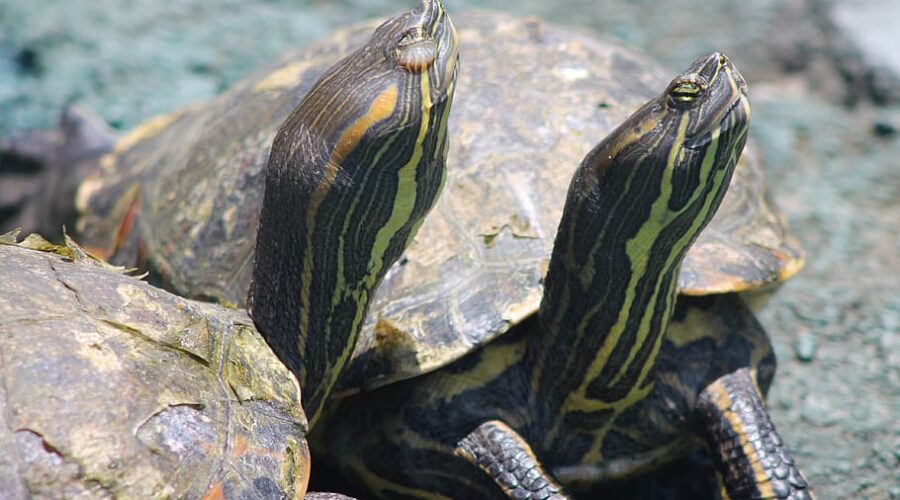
{"x": 835, "y": 170}
{"x": 112, "y": 388}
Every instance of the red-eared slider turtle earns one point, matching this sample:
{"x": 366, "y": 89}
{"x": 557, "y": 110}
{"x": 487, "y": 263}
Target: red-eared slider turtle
{"x": 599, "y": 385}
{"x": 114, "y": 388}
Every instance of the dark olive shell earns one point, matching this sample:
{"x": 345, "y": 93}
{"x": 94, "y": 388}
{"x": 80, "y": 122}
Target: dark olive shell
{"x": 112, "y": 388}
{"x": 531, "y": 100}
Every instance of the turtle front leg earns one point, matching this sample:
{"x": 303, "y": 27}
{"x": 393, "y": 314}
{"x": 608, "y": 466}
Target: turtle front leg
{"x": 507, "y": 458}
{"x": 752, "y": 461}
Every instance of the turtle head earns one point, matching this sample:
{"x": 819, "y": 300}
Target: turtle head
{"x": 405, "y": 74}
{"x": 681, "y": 147}
{"x": 710, "y": 97}
{"x": 422, "y": 41}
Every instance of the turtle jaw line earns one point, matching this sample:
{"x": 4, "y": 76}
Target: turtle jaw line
{"x": 701, "y": 139}
{"x": 446, "y": 66}
{"x": 724, "y": 95}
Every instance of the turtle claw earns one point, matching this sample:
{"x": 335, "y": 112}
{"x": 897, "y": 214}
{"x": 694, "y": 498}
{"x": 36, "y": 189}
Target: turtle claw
{"x": 40, "y": 170}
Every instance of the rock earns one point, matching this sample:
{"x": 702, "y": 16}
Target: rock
{"x": 805, "y": 347}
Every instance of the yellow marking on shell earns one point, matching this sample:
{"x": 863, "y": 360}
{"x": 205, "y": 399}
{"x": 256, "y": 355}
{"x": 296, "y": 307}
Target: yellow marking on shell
{"x": 792, "y": 265}
{"x": 694, "y": 326}
{"x": 524, "y": 308}
{"x": 722, "y": 283}
{"x": 382, "y": 107}
{"x": 723, "y": 402}
{"x": 144, "y": 131}
{"x": 282, "y": 78}
{"x": 391, "y": 337}
{"x": 495, "y": 359}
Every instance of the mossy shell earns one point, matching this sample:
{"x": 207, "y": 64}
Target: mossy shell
{"x": 112, "y": 388}
{"x": 532, "y": 99}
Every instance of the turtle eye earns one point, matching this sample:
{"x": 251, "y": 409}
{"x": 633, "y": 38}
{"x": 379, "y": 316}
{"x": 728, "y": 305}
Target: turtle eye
{"x": 415, "y": 51}
{"x": 685, "y": 93}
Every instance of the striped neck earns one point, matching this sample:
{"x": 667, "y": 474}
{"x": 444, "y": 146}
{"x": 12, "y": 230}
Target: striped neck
{"x": 606, "y": 305}
{"x": 634, "y": 207}
{"x": 352, "y": 173}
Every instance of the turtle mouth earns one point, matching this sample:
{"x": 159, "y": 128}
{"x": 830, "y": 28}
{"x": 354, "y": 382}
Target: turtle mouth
{"x": 446, "y": 65}
{"x": 736, "y": 114}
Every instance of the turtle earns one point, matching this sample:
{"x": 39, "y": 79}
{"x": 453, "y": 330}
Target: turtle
{"x": 113, "y": 387}
{"x": 605, "y": 377}
{"x": 179, "y": 200}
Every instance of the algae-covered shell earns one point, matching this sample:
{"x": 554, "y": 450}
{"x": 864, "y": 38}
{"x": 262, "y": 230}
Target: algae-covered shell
{"x": 112, "y": 388}
{"x": 181, "y": 194}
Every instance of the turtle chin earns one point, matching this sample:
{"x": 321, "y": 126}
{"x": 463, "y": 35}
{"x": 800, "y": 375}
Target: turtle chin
{"x": 446, "y": 66}
{"x": 734, "y": 117}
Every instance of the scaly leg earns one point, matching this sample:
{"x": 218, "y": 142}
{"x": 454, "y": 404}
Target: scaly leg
{"x": 508, "y": 460}
{"x": 751, "y": 459}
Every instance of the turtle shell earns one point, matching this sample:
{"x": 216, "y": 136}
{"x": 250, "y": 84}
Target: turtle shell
{"x": 110, "y": 387}
{"x": 531, "y": 100}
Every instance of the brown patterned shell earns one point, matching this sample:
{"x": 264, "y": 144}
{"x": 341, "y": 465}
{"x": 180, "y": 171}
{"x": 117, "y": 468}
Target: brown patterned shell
{"x": 112, "y": 388}
{"x": 531, "y": 100}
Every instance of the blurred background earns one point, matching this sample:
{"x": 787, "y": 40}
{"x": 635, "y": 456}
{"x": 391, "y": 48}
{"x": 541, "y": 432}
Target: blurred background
{"x": 825, "y": 83}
